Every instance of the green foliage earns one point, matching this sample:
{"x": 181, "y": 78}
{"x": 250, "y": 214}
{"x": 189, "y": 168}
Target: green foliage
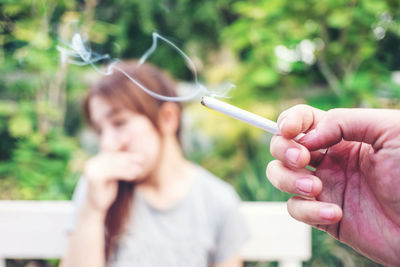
{"x": 347, "y": 37}
{"x": 34, "y": 165}
{"x": 193, "y": 25}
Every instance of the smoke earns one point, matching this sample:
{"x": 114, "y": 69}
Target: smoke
{"x": 78, "y": 52}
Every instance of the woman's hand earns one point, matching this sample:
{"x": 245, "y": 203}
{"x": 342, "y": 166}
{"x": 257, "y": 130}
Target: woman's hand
{"x": 103, "y": 173}
{"x": 354, "y": 193}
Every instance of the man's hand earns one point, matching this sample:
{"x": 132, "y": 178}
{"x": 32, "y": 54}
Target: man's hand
{"x": 354, "y": 193}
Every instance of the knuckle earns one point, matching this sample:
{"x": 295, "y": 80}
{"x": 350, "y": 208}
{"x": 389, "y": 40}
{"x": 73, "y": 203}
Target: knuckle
{"x": 301, "y": 107}
{"x": 330, "y": 113}
{"x": 283, "y": 114}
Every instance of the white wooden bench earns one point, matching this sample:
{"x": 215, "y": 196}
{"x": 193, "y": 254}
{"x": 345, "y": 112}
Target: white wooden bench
{"x": 37, "y": 230}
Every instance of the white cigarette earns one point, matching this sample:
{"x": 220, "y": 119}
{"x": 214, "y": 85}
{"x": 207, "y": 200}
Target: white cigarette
{"x": 241, "y": 114}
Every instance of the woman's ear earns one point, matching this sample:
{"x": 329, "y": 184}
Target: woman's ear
{"x": 169, "y": 118}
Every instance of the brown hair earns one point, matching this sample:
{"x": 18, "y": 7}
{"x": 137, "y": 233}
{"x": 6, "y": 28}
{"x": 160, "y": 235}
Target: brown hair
{"x": 122, "y": 93}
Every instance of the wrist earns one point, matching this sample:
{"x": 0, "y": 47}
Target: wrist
{"x": 88, "y": 213}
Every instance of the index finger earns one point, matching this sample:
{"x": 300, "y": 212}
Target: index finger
{"x": 298, "y": 119}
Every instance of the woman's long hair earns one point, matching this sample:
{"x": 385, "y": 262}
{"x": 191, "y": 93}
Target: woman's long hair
{"x": 122, "y": 93}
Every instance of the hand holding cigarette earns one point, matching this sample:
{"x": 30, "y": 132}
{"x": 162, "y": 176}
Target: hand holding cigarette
{"x": 354, "y": 193}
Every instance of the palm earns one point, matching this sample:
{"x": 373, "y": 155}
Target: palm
{"x": 366, "y": 184}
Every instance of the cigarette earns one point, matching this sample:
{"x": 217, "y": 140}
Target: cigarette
{"x": 241, "y": 114}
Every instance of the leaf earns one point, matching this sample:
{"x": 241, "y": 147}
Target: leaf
{"x": 264, "y": 76}
{"x": 339, "y": 19}
{"x": 375, "y": 7}
{"x": 7, "y": 108}
{"x": 20, "y": 126}
{"x": 360, "y": 82}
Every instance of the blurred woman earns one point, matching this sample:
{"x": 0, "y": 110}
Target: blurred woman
{"x": 141, "y": 203}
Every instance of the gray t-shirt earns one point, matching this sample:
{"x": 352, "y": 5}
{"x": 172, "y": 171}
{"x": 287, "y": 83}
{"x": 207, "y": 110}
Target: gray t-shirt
{"x": 203, "y": 228}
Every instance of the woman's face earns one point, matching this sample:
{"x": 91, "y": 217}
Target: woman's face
{"x": 122, "y": 130}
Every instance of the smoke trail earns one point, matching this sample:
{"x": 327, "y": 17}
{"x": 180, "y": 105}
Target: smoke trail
{"x": 79, "y": 53}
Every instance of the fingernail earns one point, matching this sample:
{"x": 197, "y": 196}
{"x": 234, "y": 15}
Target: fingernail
{"x": 327, "y": 213}
{"x": 304, "y": 185}
{"x": 292, "y": 154}
{"x": 280, "y": 125}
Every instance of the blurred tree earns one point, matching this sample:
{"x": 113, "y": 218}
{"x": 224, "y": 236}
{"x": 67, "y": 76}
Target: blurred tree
{"x": 194, "y": 26}
{"x": 35, "y": 153}
{"x": 337, "y": 46}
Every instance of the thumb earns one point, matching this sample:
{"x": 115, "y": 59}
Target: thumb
{"x": 372, "y": 126}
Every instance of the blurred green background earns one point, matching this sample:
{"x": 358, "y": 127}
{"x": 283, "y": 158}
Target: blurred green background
{"x": 326, "y": 53}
